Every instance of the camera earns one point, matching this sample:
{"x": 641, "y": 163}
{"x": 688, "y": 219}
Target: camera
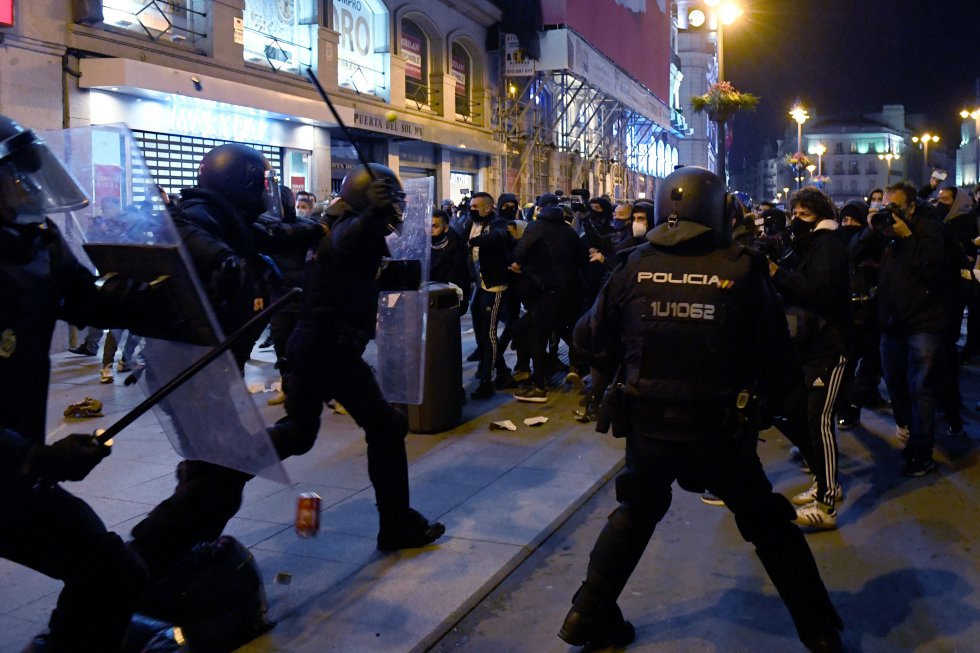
{"x": 883, "y": 217}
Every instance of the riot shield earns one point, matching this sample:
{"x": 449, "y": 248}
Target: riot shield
{"x": 126, "y": 229}
{"x": 402, "y": 315}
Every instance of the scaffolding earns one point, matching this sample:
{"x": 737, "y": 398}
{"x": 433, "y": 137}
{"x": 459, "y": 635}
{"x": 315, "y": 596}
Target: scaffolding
{"x": 562, "y": 132}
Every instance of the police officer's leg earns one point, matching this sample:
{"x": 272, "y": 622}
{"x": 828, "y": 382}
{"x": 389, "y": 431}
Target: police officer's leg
{"x": 644, "y": 494}
{"x": 60, "y": 536}
{"x": 208, "y": 495}
{"x": 764, "y": 519}
{"x": 385, "y": 429}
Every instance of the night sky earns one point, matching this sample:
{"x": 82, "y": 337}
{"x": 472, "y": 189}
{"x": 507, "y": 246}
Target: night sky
{"x": 852, "y": 56}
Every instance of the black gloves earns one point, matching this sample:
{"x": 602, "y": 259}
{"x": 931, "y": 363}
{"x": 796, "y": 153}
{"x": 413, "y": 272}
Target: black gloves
{"x": 68, "y": 459}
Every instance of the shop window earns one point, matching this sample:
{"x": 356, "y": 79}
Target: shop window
{"x": 173, "y": 159}
{"x": 415, "y": 49}
{"x": 281, "y": 34}
{"x": 363, "y": 50}
{"x": 165, "y": 21}
{"x": 462, "y": 67}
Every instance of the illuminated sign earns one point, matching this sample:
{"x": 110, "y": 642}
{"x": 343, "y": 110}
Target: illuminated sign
{"x": 6, "y": 13}
{"x": 362, "y": 53}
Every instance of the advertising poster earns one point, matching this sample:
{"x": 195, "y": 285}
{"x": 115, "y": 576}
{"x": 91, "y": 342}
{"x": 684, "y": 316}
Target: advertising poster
{"x": 517, "y": 64}
{"x": 108, "y": 183}
{"x": 459, "y": 72}
{"x": 412, "y": 51}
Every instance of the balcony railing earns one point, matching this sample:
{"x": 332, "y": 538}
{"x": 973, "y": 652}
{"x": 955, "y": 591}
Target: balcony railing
{"x": 177, "y": 21}
{"x": 278, "y": 53}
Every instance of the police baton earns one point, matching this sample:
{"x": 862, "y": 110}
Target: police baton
{"x": 104, "y": 435}
{"x": 340, "y": 123}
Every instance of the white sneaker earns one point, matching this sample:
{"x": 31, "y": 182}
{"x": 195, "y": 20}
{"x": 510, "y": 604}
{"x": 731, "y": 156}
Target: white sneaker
{"x": 810, "y": 495}
{"x": 902, "y": 434}
{"x": 816, "y": 515}
{"x": 106, "y": 375}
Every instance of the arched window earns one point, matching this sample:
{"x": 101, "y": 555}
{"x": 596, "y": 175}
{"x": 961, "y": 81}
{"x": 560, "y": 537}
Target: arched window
{"x": 462, "y": 69}
{"x": 673, "y": 161}
{"x": 661, "y": 161}
{"x": 415, "y": 50}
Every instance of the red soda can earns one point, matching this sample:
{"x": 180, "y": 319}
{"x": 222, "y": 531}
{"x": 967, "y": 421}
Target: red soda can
{"x": 308, "y": 514}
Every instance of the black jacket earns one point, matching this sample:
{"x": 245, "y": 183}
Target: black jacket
{"x": 551, "y": 254}
{"x": 818, "y": 290}
{"x": 448, "y": 263}
{"x": 914, "y": 280}
{"x": 625, "y": 328}
{"x": 342, "y": 292}
{"x": 41, "y": 281}
{"x": 227, "y": 251}
{"x": 496, "y": 252}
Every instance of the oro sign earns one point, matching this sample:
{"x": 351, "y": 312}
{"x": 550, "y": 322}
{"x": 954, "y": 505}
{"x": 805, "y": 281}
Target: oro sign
{"x": 363, "y": 28}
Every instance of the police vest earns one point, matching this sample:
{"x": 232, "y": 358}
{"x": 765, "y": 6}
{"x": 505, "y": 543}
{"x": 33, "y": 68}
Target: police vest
{"x": 686, "y": 323}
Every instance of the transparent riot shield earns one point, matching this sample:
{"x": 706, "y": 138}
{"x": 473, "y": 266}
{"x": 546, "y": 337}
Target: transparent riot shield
{"x": 126, "y": 229}
{"x": 402, "y": 315}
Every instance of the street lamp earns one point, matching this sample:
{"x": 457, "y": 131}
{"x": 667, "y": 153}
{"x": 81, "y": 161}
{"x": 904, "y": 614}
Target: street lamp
{"x": 786, "y": 194}
{"x": 975, "y": 114}
{"x": 810, "y": 168}
{"x": 889, "y": 157}
{"x": 925, "y": 139}
{"x": 800, "y": 116}
{"x": 820, "y": 149}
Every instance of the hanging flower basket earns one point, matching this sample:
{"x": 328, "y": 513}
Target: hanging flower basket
{"x": 798, "y": 160}
{"x": 722, "y": 101}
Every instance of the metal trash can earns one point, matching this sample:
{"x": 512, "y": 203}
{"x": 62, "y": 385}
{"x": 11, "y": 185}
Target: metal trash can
{"x": 442, "y": 391}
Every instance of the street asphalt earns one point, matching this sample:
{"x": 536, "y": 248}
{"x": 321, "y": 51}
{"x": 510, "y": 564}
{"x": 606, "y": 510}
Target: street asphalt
{"x": 900, "y": 567}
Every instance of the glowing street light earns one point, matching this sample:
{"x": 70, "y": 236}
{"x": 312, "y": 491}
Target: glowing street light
{"x": 820, "y": 150}
{"x": 800, "y": 115}
{"x": 975, "y": 114}
{"x": 925, "y": 139}
{"x": 889, "y": 157}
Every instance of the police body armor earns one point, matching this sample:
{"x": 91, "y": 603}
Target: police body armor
{"x": 684, "y": 361}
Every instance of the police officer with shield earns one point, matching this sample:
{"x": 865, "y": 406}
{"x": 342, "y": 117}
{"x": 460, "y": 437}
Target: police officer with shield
{"x": 45, "y": 527}
{"x": 685, "y": 319}
{"x": 324, "y": 355}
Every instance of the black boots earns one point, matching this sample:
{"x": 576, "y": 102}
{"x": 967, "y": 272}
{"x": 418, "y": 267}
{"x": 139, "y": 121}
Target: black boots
{"x": 409, "y": 533}
{"x": 590, "y": 622}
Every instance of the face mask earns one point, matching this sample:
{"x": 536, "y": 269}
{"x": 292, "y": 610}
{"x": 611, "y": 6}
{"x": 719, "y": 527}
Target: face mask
{"x": 943, "y": 209}
{"x": 875, "y": 205}
{"x": 302, "y": 213}
{"x": 475, "y": 215}
{"x": 639, "y": 229}
{"x": 849, "y": 230}
{"x": 619, "y": 224}
{"x": 508, "y": 213}
{"x": 801, "y": 228}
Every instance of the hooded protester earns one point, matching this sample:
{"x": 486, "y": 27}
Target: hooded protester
{"x": 853, "y": 218}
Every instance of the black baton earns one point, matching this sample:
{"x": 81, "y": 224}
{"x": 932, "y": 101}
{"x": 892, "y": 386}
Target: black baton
{"x": 104, "y": 435}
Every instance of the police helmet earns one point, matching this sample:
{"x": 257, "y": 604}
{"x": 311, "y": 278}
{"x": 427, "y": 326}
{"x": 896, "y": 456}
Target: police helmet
{"x": 356, "y": 186}
{"x": 243, "y": 176}
{"x": 693, "y": 194}
{"x": 32, "y": 181}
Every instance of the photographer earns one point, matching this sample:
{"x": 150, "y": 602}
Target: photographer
{"x": 817, "y": 294}
{"x": 914, "y": 296}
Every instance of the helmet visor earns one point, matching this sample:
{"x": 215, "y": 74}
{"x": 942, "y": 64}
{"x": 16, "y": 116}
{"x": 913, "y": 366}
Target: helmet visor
{"x": 34, "y": 180}
{"x": 272, "y": 195}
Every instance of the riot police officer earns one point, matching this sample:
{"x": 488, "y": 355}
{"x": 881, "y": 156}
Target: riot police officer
{"x": 324, "y": 355}
{"x": 684, "y": 320}
{"x": 218, "y": 223}
{"x": 45, "y": 527}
